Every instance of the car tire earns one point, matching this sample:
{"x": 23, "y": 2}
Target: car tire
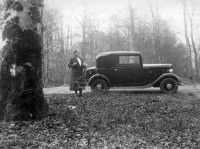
{"x": 169, "y": 86}
{"x": 99, "y": 85}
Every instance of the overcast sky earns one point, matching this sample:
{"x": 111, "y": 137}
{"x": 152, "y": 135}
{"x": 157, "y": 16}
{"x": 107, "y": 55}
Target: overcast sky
{"x": 169, "y": 10}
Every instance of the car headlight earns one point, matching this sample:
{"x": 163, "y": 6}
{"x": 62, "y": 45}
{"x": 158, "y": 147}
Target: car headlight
{"x": 170, "y": 70}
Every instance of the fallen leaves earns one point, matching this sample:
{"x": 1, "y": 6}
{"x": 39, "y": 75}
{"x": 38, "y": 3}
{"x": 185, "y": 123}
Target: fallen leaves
{"x": 113, "y": 120}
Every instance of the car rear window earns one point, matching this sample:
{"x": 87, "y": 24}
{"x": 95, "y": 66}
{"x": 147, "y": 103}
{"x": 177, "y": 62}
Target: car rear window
{"x": 132, "y": 60}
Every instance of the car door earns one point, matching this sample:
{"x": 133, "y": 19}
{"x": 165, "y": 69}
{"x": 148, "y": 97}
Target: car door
{"x": 139, "y": 76}
{"x": 122, "y": 75}
{"x": 129, "y": 71}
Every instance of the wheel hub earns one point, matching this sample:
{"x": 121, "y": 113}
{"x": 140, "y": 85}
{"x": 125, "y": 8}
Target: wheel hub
{"x": 99, "y": 86}
{"x": 169, "y": 86}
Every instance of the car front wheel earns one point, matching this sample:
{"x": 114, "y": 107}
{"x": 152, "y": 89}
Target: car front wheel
{"x": 99, "y": 85}
{"x": 169, "y": 86}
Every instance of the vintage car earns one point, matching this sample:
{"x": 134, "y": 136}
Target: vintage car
{"x": 125, "y": 68}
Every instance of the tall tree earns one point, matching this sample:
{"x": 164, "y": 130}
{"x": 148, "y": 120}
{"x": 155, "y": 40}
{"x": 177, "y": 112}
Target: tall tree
{"x": 82, "y": 20}
{"x": 156, "y": 33}
{"x": 21, "y": 88}
{"x": 132, "y": 26}
{"x": 194, "y": 45}
{"x": 186, "y": 36}
{"x": 194, "y": 48}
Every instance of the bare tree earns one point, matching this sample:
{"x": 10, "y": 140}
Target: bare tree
{"x": 156, "y": 34}
{"x": 83, "y": 23}
{"x": 191, "y": 46}
{"x": 187, "y": 37}
{"x": 132, "y": 26}
{"x": 21, "y": 88}
{"x": 194, "y": 45}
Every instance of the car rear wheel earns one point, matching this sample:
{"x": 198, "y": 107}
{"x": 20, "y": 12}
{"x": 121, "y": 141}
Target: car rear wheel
{"x": 99, "y": 85}
{"x": 169, "y": 86}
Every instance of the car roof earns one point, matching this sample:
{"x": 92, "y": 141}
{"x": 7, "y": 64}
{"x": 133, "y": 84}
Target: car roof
{"x": 117, "y": 53}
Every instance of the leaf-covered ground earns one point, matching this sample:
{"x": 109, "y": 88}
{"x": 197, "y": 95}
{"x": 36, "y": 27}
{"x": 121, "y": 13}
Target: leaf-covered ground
{"x": 113, "y": 120}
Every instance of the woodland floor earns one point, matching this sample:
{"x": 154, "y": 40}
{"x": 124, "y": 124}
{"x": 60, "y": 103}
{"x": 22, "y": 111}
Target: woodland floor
{"x": 112, "y": 120}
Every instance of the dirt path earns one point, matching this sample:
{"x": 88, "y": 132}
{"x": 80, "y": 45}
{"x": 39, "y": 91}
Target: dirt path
{"x": 183, "y": 89}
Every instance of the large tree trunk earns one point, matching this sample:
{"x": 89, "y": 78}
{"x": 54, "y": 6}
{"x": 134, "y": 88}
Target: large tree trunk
{"x": 21, "y": 88}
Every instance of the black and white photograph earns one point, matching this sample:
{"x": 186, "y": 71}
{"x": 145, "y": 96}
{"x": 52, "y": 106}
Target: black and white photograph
{"x": 99, "y": 74}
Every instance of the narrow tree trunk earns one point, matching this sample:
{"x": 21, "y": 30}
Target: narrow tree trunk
{"x": 83, "y": 51}
{"x": 21, "y": 88}
{"x": 47, "y": 64}
{"x": 194, "y": 49}
{"x": 187, "y": 38}
{"x": 62, "y": 52}
{"x": 132, "y": 27}
{"x": 156, "y": 35}
{"x": 67, "y": 53}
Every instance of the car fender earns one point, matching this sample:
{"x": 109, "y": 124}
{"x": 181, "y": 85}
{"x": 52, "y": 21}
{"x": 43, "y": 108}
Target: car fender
{"x": 171, "y": 75}
{"x": 98, "y": 76}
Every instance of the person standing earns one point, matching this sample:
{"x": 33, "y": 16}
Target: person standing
{"x": 77, "y": 77}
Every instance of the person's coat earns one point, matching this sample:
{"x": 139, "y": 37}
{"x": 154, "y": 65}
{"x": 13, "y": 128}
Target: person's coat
{"x": 77, "y": 74}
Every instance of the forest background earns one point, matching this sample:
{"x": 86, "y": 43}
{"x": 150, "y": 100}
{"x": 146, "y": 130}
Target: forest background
{"x": 164, "y": 32}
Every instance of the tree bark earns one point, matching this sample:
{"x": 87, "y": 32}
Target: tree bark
{"x": 21, "y": 87}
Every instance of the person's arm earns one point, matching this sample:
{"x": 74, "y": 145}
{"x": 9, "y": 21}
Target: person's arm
{"x": 70, "y": 64}
{"x": 84, "y": 65}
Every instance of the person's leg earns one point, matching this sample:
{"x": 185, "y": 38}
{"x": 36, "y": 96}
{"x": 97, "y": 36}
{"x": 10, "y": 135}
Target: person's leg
{"x": 80, "y": 92}
{"x": 76, "y": 92}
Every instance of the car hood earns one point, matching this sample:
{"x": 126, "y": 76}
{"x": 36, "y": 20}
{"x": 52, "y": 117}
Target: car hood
{"x": 157, "y": 65}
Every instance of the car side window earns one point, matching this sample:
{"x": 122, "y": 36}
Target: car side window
{"x": 129, "y": 60}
